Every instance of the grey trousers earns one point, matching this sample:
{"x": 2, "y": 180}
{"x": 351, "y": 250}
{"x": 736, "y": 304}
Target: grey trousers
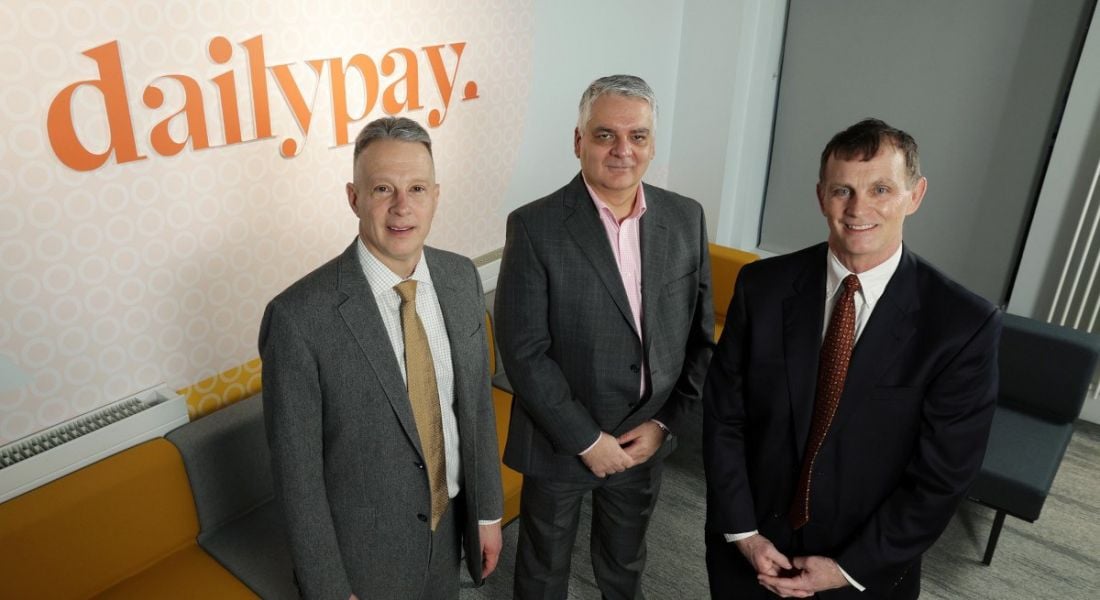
{"x": 622, "y": 505}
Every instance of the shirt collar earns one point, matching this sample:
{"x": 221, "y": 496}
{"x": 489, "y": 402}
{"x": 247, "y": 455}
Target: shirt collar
{"x": 872, "y": 282}
{"x": 382, "y": 279}
{"x": 604, "y": 209}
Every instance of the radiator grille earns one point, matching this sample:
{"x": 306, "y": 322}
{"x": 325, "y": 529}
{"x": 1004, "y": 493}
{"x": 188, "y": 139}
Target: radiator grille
{"x": 21, "y": 450}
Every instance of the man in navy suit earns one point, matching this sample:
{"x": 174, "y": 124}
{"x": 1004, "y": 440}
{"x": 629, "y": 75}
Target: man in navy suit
{"x": 832, "y": 466}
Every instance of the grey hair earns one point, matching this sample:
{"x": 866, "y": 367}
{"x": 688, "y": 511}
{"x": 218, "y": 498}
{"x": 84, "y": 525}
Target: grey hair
{"x": 390, "y": 128}
{"x": 630, "y": 86}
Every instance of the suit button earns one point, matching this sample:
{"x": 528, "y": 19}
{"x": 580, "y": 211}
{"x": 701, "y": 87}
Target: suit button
{"x": 635, "y": 369}
{"x": 423, "y": 518}
{"x": 419, "y": 465}
{"x": 630, "y": 404}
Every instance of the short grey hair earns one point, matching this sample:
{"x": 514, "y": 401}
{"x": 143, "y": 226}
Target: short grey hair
{"x": 630, "y": 86}
{"x": 390, "y": 128}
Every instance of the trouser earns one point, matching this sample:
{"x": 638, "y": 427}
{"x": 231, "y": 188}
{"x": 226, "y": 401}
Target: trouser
{"x": 622, "y": 505}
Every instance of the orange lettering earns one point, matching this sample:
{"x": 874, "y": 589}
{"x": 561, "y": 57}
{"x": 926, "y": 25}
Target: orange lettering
{"x": 59, "y": 119}
{"x": 340, "y": 116}
{"x": 192, "y": 109}
{"x": 390, "y": 103}
{"x": 303, "y": 113}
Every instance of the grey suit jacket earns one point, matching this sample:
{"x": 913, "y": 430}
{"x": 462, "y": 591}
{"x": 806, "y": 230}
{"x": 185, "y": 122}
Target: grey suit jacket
{"x": 567, "y": 336}
{"x": 345, "y": 454}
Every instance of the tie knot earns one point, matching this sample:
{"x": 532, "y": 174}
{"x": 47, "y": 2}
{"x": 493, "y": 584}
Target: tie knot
{"x": 851, "y": 284}
{"x": 407, "y": 290}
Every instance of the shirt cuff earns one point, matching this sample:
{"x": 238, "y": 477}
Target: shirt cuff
{"x": 495, "y": 521}
{"x": 737, "y": 537}
{"x": 854, "y": 583}
{"x": 664, "y": 428}
{"x": 585, "y": 451}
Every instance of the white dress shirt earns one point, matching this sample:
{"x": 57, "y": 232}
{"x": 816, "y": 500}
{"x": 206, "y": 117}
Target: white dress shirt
{"x": 382, "y": 281}
{"x": 872, "y": 283}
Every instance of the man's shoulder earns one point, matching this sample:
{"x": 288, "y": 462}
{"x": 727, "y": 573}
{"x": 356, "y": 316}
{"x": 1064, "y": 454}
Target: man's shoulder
{"x": 785, "y": 266}
{"x": 670, "y": 201}
{"x": 313, "y": 285}
{"x": 941, "y": 294}
{"x": 445, "y": 262}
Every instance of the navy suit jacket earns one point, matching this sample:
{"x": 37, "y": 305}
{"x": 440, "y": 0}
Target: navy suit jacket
{"x": 908, "y": 437}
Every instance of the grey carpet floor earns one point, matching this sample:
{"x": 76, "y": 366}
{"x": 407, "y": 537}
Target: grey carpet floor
{"x": 1058, "y": 556}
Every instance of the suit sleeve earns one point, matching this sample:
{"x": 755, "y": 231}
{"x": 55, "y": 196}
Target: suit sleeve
{"x": 700, "y": 343}
{"x": 293, "y": 417}
{"x": 956, "y": 419}
{"x": 523, "y": 330}
{"x": 490, "y": 491}
{"x": 730, "y": 507}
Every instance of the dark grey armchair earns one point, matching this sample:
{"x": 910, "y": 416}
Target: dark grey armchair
{"x": 1045, "y": 372}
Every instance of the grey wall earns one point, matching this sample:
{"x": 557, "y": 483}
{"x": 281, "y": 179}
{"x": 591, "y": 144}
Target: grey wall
{"x": 979, "y": 85}
{"x": 576, "y": 42}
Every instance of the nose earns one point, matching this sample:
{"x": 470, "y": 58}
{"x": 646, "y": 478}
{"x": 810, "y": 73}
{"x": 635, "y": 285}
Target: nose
{"x": 401, "y": 203}
{"x": 622, "y": 147}
{"x": 857, "y": 202}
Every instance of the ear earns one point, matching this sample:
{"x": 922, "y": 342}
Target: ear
{"x": 577, "y": 142}
{"x": 820, "y": 190}
{"x": 917, "y": 195}
{"x": 353, "y": 198}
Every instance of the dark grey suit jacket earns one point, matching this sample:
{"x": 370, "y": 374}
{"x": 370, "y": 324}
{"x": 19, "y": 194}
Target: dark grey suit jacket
{"x": 567, "y": 335}
{"x": 345, "y": 453}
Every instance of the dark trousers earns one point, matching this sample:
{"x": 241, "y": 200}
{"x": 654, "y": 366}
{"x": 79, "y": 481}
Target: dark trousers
{"x": 622, "y": 505}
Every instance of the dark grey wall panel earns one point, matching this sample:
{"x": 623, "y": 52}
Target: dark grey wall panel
{"x": 980, "y": 85}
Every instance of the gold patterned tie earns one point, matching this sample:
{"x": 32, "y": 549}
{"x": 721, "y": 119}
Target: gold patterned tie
{"x": 424, "y": 397}
{"x": 832, "y": 370}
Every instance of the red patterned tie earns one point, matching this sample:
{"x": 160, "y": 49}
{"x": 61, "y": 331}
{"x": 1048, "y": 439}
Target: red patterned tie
{"x": 832, "y": 368}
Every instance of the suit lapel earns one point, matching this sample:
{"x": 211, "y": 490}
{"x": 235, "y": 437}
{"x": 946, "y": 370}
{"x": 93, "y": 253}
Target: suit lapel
{"x": 654, "y": 246}
{"x": 455, "y": 309}
{"x": 584, "y": 226}
{"x": 884, "y": 336}
{"x": 803, "y": 314}
{"x": 360, "y": 313}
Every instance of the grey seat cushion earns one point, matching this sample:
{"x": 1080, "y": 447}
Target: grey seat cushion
{"x": 227, "y": 462}
{"x": 1020, "y": 462}
{"x": 254, "y": 548}
{"x": 229, "y": 468}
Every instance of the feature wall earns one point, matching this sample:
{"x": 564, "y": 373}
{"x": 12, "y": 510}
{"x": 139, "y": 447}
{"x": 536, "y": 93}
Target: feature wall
{"x": 166, "y": 167}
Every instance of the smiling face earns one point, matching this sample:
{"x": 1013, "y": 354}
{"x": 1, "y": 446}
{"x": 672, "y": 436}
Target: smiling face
{"x": 394, "y": 195}
{"x": 615, "y": 147}
{"x": 865, "y": 203}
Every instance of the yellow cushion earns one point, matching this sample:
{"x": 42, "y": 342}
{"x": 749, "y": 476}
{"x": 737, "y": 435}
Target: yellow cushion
{"x": 81, "y": 534}
{"x": 189, "y": 573}
{"x": 511, "y": 480}
{"x": 725, "y": 264}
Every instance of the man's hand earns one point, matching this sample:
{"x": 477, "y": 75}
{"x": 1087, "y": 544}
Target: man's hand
{"x": 607, "y": 457}
{"x": 762, "y": 555}
{"x": 642, "y": 441}
{"x": 817, "y": 574}
{"x": 491, "y": 543}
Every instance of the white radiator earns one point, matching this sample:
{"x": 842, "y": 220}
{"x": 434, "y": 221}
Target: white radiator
{"x": 40, "y": 458}
{"x": 1076, "y": 301}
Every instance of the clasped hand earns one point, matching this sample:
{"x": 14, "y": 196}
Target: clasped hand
{"x": 800, "y": 577}
{"x": 615, "y": 455}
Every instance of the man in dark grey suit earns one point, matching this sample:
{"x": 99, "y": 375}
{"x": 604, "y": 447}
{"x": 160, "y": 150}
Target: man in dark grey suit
{"x": 605, "y": 325}
{"x": 377, "y": 399}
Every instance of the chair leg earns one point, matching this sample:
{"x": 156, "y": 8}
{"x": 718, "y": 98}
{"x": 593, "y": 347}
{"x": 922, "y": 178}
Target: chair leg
{"x": 998, "y": 522}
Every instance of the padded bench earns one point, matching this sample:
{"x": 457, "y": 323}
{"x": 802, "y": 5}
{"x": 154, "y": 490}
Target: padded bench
{"x": 123, "y": 527}
{"x": 240, "y": 525}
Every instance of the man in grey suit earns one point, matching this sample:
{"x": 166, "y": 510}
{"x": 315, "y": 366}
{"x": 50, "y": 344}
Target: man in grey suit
{"x": 604, "y": 319}
{"x": 377, "y": 398}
